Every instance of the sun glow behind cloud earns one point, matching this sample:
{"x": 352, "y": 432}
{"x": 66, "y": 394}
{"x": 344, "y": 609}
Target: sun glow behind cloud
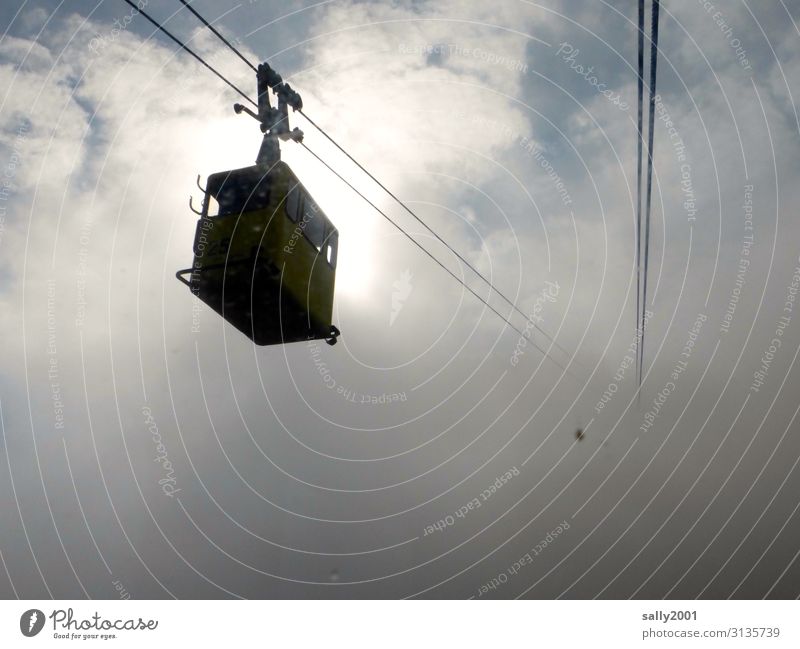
{"x": 357, "y": 222}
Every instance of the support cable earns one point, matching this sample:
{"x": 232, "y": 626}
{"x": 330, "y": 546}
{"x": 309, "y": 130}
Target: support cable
{"x": 428, "y": 253}
{"x": 639, "y": 188}
{"x": 425, "y": 225}
{"x": 184, "y": 47}
{"x": 653, "y": 64}
{"x": 218, "y": 35}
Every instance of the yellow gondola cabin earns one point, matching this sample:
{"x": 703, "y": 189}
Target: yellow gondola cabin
{"x": 265, "y": 256}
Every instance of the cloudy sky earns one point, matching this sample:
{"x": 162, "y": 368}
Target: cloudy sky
{"x": 150, "y": 450}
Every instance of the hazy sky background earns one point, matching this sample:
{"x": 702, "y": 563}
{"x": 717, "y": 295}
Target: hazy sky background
{"x": 284, "y": 483}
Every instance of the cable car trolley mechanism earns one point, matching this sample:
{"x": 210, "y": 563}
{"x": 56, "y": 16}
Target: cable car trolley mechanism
{"x": 264, "y": 251}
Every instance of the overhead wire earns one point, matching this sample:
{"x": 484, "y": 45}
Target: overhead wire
{"x": 190, "y": 51}
{"x": 653, "y": 66}
{"x": 428, "y": 228}
{"x": 429, "y": 254}
{"x": 639, "y": 186}
{"x": 218, "y": 35}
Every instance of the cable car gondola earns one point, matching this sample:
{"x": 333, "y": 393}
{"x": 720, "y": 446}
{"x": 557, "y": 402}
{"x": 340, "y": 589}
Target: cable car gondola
{"x": 264, "y": 251}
